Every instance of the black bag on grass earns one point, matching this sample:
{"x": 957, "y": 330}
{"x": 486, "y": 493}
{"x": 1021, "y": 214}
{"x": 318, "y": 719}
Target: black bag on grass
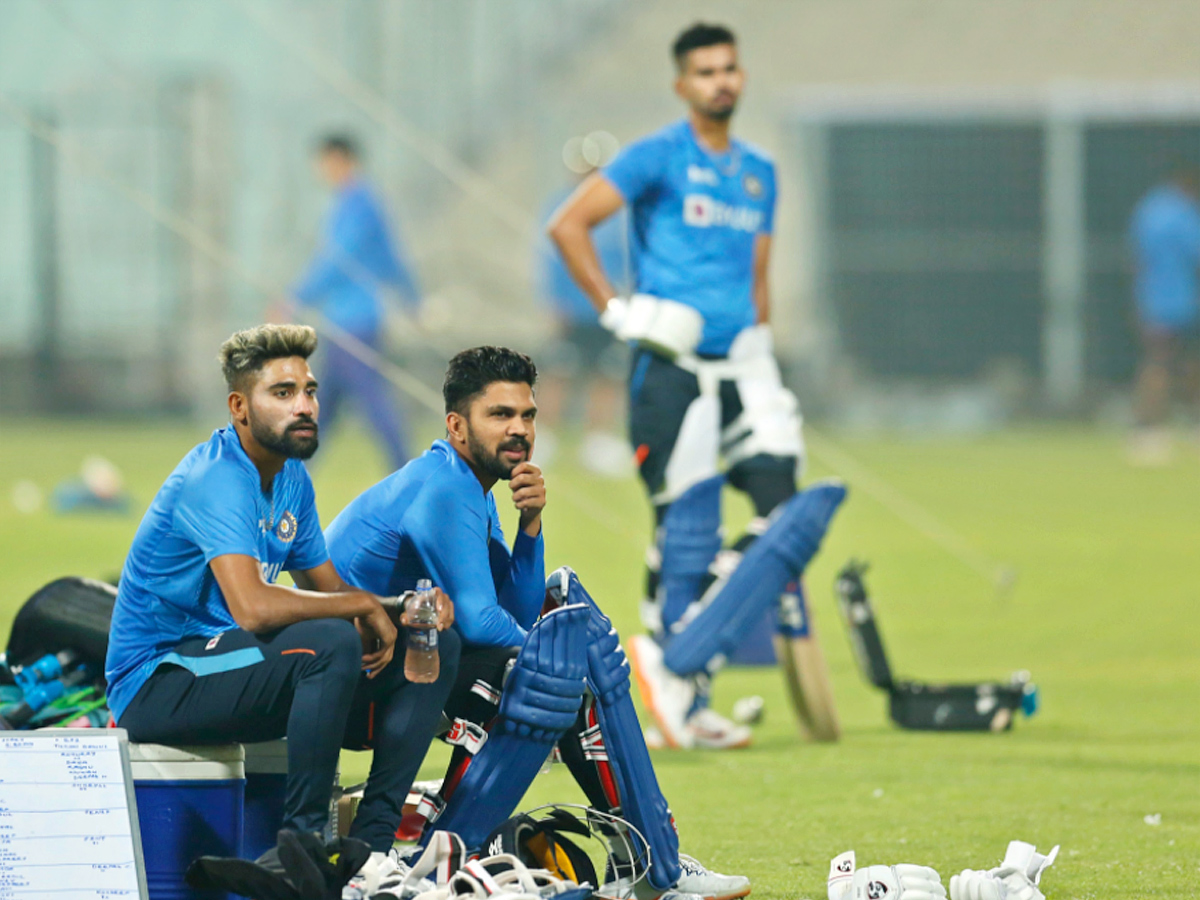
{"x": 67, "y": 614}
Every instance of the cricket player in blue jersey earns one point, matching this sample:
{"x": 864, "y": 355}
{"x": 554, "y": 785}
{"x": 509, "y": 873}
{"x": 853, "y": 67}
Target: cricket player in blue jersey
{"x": 206, "y": 648}
{"x": 359, "y": 255}
{"x": 542, "y": 666}
{"x": 704, "y": 384}
{"x": 1165, "y": 238}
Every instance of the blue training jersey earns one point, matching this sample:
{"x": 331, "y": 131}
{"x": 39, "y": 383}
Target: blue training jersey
{"x": 695, "y": 217}
{"x": 432, "y": 519}
{"x": 556, "y": 283}
{"x": 1165, "y": 234}
{"x": 211, "y": 505}
{"x": 358, "y": 254}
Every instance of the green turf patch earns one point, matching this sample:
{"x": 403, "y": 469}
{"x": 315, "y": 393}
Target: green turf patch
{"x": 1104, "y": 614}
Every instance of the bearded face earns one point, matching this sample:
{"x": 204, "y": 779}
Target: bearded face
{"x": 297, "y": 439}
{"x": 281, "y": 408}
{"x": 499, "y": 459}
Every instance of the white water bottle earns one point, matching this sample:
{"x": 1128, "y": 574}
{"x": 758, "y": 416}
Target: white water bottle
{"x": 421, "y": 663}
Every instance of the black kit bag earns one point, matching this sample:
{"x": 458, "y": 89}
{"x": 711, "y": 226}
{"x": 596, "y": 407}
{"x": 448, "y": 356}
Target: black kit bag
{"x": 68, "y": 614}
{"x": 987, "y": 706}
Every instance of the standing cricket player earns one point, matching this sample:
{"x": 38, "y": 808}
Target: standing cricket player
{"x": 704, "y": 384}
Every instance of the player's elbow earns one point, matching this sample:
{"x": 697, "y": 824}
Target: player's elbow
{"x": 564, "y": 228}
{"x": 249, "y": 614}
{"x": 486, "y": 632}
{"x": 554, "y": 231}
{"x": 250, "y": 621}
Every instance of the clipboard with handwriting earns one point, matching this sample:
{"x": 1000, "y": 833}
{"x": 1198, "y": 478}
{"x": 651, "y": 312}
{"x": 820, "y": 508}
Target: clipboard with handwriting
{"x": 68, "y": 818}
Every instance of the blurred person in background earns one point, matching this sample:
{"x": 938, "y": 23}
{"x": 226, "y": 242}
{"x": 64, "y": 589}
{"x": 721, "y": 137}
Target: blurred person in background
{"x": 704, "y": 384}
{"x": 1165, "y": 238}
{"x": 359, "y": 255}
{"x": 587, "y": 363}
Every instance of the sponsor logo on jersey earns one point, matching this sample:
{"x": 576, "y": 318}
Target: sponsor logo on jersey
{"x": 270, "y": 571}
{"x": 703, "y": 211}
{"x": 212, "y": 645}
{"x": 701, "y": 175}
{"x": 285, "y": 530}
{"x": 752, "y": 186}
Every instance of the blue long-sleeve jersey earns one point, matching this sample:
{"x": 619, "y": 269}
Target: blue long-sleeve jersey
{"x": 432, "y": 519}
{"x": 358, "y": 253}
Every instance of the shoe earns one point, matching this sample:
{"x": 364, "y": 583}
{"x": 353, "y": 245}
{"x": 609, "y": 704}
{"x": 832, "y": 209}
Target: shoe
{"x": 387, "y": 873}
{"x": 653, "y": 738}
{"x": 627, "y": 889}
{"x": 712, "y": 731}
{"x": 366, "y": 881}
{"x": 708, "y": 729}
{"x": 667, "y": 696}
{"x": 695, "y": 883}
{"x": 696, "y": 879}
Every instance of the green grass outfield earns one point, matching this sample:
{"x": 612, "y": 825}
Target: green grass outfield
{"x": 1106, "y": 614}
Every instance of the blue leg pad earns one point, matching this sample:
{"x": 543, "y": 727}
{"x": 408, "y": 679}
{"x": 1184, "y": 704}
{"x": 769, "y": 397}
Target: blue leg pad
{"x": 779, "y": 556}
{"x": 642, "y": 803}
{"x": 540, "y": 701}
{"x": 688, "y": 539}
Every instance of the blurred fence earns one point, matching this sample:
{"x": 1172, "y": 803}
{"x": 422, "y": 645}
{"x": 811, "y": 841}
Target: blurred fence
{"x": 960, "y": 235}
{"x": 209, "y": 111}
{"x": 954, "y": 237}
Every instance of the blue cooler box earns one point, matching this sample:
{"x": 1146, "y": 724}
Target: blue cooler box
{"x": 190, "y": 803}
{"x": 266, "y": 787}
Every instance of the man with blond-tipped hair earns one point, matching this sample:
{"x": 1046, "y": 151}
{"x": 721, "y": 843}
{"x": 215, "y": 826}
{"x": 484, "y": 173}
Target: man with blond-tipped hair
{"x": 205, "y": 647}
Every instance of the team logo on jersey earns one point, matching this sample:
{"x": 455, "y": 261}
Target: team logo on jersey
{"x": 752, "y": 186}
{"x": 703, "y": 211}
{"x": 286, "y": 529}
{"x": 701, "y": 175}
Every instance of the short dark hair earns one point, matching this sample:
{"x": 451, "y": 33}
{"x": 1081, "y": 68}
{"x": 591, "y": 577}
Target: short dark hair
{"x": 246, "y": 352}
{"x": 342, "y": 144}
{"x": 701, "y": 34}
{"x": 471, "y": 371}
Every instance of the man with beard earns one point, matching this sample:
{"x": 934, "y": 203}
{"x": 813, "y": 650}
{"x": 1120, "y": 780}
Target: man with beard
{"x": 541, "y": 664}
{"x": 704, "y": 384}
{"x": 204, "y": 646}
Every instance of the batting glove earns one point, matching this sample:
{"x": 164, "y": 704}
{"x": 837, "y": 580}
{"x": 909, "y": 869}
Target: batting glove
{"x": 1016, "y": 878}
{"x": 899, "y": 882}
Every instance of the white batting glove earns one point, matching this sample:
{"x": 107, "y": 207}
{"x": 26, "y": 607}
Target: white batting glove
{"x": 668, "y": 328}
{"x": 614, "y": 315}
{"x": 898, "y": 882}
{"x": 1016, "y": 878}
{"x": 841, "y": 876}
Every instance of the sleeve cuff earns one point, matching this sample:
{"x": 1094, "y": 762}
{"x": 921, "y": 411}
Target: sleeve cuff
{"x": 525, "y": 545}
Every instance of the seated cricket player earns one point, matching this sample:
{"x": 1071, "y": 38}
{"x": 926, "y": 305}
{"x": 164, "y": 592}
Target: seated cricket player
{"x": 525, "y": 683}
{"x": 204, "y": 646}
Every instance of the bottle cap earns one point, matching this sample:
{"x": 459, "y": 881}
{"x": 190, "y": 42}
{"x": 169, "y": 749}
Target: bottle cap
{"x": 424, "y": 585}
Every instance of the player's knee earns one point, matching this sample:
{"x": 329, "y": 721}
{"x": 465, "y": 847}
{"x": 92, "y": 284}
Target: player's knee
{"x": 327, "y": 645}
{"x": 767, "y": 480}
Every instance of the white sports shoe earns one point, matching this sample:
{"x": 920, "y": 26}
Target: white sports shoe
{"x": 387, "y": 872}
{"x": 696, "y": 879}
{"x": 667, "y": 696}
{"x": 713, "y": 731}
{"x": 708, "y": 729}
{"x": 366, "y": 882}
{"x": 625, "y": 889}
{"x": 695, "y": 883}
